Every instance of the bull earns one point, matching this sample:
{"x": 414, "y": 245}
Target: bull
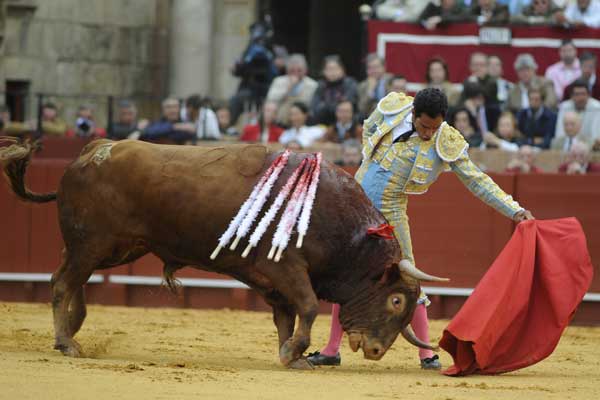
{"x": 121, "y": 200}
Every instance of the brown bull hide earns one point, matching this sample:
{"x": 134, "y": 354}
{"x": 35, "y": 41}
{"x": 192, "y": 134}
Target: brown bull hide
{"x": 121, "y": 200}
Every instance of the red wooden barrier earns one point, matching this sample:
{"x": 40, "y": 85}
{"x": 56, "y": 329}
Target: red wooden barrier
{"x": 454, "y": 235}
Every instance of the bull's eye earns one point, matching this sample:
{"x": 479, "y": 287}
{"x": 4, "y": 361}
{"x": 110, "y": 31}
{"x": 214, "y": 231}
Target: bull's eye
{"x": 397, "y": 302}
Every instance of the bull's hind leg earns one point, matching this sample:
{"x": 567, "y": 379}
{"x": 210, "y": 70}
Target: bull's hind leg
{"x": 68, "y": 302}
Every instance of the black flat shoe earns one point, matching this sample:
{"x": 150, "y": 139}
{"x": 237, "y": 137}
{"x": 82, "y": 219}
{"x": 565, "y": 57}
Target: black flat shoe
{"x": 317, "y": 358}
{"x": 431, "y": 363}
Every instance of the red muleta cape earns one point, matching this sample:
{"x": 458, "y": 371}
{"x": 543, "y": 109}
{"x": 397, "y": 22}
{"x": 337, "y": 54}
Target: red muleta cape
{"x": 520, "y": 308}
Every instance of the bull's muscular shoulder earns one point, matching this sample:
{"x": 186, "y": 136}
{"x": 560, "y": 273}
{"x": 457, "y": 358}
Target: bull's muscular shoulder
{"x": 450, "y": 143}
{"x": 393, "y": 103}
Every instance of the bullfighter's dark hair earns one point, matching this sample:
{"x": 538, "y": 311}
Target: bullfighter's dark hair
{"x": 432, "y": 102}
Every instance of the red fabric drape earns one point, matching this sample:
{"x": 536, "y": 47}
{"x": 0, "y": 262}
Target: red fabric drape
{"x": 520, "y": 308}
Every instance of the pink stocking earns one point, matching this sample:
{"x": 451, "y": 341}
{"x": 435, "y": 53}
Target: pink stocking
{"x": 335, "y": 336}
{"x": 420, "y": 326}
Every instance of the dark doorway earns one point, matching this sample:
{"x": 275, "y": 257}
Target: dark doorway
{"x": 16, "y": 98}
{"x": 317, "y": 28}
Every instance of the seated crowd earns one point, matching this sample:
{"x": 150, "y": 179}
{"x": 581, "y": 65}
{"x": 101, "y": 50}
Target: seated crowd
{"x": 558, "y": 110}
{"x": 438, "y": 13}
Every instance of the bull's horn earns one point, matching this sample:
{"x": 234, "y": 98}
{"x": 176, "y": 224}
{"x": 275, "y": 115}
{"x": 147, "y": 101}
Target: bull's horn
{"x": 410, "y": 337}
{"x": 408, "y": 267}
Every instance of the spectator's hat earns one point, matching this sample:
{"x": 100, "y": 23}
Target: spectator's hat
{"x": 525, "y": 60}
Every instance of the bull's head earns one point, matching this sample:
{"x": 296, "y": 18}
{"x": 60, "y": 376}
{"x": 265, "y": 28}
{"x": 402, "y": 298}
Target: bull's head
{"x": 375, "y": 316}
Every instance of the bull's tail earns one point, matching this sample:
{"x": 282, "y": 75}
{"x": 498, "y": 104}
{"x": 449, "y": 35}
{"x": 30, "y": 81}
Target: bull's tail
{"x": 14, "y": 160}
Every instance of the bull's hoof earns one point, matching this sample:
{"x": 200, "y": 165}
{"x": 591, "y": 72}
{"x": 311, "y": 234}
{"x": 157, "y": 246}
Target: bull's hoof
{"x": 286, "y": 353}
{"x": 301, "y": 363}
{"x": 69, "y": 348}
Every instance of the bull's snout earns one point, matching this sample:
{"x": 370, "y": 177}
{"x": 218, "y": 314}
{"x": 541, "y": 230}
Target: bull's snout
{"x": 373, "y": 351}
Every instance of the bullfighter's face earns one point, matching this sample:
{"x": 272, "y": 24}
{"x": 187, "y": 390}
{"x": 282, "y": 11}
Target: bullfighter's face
{"x": 375, "y": 317}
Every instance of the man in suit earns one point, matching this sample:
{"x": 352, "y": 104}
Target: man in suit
{"x": 589, "y": 63}
{"x": 375, "y": 86}
{"x": 572, "y": 128}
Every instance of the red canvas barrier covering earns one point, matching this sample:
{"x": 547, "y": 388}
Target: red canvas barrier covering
{"x": 408, "y": 47}
{"x": 454, "y": 235}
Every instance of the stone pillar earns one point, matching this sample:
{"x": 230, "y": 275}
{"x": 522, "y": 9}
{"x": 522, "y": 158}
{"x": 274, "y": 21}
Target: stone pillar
{"x": 191, "y": 47}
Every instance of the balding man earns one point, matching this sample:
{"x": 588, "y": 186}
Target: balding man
{"x": 292, "y": 87}
{"x": 572, "y": 128}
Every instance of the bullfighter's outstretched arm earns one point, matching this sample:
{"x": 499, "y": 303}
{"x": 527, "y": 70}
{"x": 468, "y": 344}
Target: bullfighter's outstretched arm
{"x": 482, "y": 186}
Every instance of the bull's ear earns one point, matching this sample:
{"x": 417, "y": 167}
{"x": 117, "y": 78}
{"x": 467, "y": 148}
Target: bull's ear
{"x": 391, "y": 274}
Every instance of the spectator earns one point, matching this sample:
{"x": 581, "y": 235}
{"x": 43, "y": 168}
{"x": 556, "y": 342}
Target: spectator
{"x": 345, "y": 126}
{"x": 10, "y": 127}
{"x": 299, "y": 135}
{"x": 335, "y": 87}
{"x": 587, "y": 108}
{"x": 486, "y": 12}
{"x": 168, "y": 127}
{"x": 226, "y": 126}
{"x": 85, "y": 126}
{"x": 351, "y": 154}
{"x": 51, "y": 123}
{"x": 537, "y": 123}
{"x": 255, "y": 68}
{"x": 466, "y": 124}
{"x": 504, "y": 87}
{"x": 127, "y": 125}
{"x": 478, "y": 66}
{"x": 518, "y": 98}
{"x": 514, "y": 6}
{"x": 539, "y": 12}
{"x": 581, "y": 13}
{"x": 437, "y": 77}
{"x": 398, "y": 84}
{"x": 572, "y": 128}
{"x": 400, "y": 10}
{"x": 524, "y": 161}
{"x": 566, "y": 70}
{"x": 588, "y": 62}
{"x": 293, "y": 87}
{"x": 201, "y": 120}
{"x": 441, "y": 13}
{"x": 507, "y": 136}
{"x": 265, "y": 130}
{"x": 485, "y": 118}
{"x": 577, "y": 161}
{"x": 374, "y": 88}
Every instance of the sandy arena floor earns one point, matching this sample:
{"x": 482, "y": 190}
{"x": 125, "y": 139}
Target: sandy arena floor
{"x": 136, "y": 353}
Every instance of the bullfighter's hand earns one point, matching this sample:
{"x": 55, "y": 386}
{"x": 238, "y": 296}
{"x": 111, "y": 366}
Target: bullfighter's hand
{"x": 524, "y": 215}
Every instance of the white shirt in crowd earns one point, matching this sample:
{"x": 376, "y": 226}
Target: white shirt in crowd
{"x": 305, "y": 136}
{"x": 207, "y": 125}
{"x": 591, "y": 16}
{"x": 590, "y": 119}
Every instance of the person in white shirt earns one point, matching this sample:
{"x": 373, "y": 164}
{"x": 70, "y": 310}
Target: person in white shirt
{"x": 582, "y": 12}
{"x": 200, "y": 119}
{"x": 299, "y": 135}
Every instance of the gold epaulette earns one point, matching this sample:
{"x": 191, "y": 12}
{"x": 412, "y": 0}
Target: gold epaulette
{"x": 393, "y": 103}
{"x": 450, "y": 144}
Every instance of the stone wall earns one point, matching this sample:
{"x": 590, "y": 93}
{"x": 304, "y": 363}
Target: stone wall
{"x": 79, "y": 50}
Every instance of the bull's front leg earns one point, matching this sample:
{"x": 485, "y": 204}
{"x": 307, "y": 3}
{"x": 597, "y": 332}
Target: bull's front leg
{"x": 302, "y": 296}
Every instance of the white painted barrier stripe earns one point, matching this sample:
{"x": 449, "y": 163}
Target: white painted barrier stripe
{"x": 384, "y": 38}
{"x": 189, "y": 282}
{"x": 38, "y": 277}
{"x": 217, "y": 283}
